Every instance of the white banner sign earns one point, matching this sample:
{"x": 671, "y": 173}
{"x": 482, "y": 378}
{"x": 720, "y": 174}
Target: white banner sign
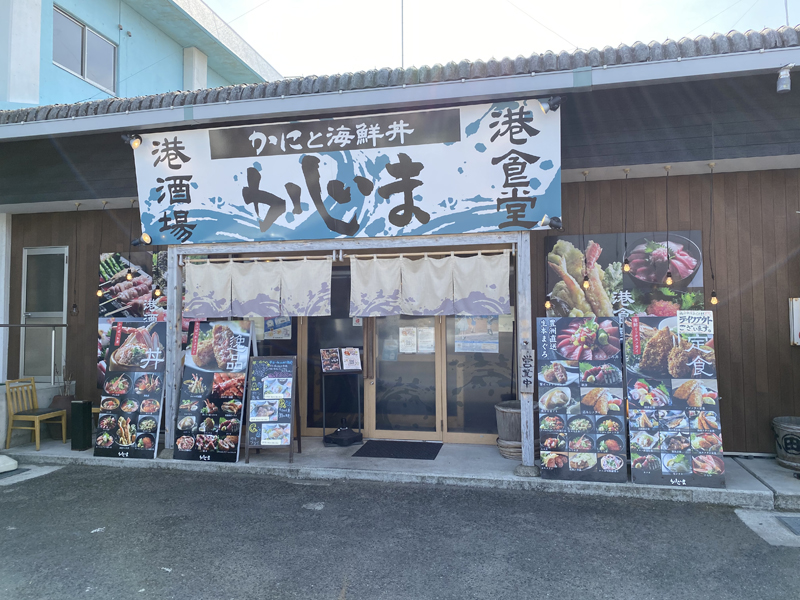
{"x": 454, "y": 170}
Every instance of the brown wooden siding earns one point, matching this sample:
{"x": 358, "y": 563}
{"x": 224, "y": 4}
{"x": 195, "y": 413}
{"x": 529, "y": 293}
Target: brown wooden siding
{"x": 58, "y": 229}
{"x": 756, "y": 254}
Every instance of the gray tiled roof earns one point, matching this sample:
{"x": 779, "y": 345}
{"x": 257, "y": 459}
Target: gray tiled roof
{"x": 717, "y": 44}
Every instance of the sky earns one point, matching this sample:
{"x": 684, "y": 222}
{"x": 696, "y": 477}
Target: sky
{"x": 325, "y": 37}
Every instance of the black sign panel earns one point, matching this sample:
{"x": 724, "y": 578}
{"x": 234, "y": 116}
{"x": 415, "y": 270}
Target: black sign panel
{"x": 211, "y": 402}
{"x": 270, "y": 407}
{"x": 337, "y": 135}
{"x": 132, "y": 390}
{"x": 581, "y": 399}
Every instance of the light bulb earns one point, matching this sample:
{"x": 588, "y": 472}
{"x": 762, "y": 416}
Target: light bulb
{"x": 136, "y": 141}
{"x": 157, "y": 291}
{"x": 129, "y": 275}
{"x": 586, "y": 282}
{"x": 668, "y": 280}
{"x": 714, "y": 299}
{"x": 74, "y": 311}
{"x": 626, "y": 266}
{"x": 99, "y": 293}
{"x": 547, "y": 304}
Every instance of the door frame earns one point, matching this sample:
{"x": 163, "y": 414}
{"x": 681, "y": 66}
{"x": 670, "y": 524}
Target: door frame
{"x": 37, "y": 251}
{"x": 517, "y": 240}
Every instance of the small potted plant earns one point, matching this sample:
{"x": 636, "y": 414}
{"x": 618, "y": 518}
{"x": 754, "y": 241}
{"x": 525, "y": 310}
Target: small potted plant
{"x": 62, "y": 401}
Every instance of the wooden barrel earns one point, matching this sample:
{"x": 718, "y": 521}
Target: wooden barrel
{"x": 509, "y": 421}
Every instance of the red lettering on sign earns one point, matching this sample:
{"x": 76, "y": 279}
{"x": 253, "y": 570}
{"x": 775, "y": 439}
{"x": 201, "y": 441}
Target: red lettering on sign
{"x": 637, "y": 341}
{"x": 195, "y": 338}
{"x": 118, "y": 337}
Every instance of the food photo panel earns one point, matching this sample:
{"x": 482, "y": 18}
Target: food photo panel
{"x": 581, "y": 399}
{"x": 212, "y": 392}
{"x": 132, "y": 390}
{"x": 673, "y": 396}
{"x": 612, "y": 291}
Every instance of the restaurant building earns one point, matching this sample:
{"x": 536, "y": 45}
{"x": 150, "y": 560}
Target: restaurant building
{"x": 428, "y": 253}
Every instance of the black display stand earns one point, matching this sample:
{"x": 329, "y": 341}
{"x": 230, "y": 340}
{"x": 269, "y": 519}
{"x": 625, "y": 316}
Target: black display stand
{"x": 358, "y": 374}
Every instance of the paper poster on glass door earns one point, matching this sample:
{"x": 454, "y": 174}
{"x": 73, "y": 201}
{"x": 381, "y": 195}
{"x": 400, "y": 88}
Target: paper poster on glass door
{"x": 478, "y": 334}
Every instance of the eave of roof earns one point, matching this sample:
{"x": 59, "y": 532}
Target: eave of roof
{"x": 703, "y": 57}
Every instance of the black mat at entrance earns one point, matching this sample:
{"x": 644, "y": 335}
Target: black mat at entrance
{"x": 392, "y": 449}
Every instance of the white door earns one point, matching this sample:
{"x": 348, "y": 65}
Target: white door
{"x": 44, "y": 302}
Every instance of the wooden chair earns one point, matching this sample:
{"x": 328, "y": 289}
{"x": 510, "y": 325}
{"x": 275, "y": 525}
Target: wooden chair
{"x": 24, "y": 406}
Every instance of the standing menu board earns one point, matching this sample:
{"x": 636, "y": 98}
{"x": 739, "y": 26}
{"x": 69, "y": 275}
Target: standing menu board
{"x": 675, "y": 428}
{"x": 581, "y": 399}
{"x": 209, "y": 415}
{"x": 132, "y": 391}
{"x": 270, "y": 406}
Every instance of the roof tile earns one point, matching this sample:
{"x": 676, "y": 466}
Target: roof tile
{"x": 638, "y": 52}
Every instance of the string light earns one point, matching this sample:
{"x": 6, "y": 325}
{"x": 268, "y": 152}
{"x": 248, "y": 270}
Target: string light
{"x": 668, "y": 281}
{"x": 583, "y": 233}
{"x": 626, "y": 266}
{"x": 712, "y": 253}
{"x": 99, "y": 292}
{"x": 74, "y": 311}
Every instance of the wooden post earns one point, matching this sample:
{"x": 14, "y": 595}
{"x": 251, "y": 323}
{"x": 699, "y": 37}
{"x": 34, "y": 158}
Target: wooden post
{"x": 172, "y": 376}
{"x": 525, "y": 347}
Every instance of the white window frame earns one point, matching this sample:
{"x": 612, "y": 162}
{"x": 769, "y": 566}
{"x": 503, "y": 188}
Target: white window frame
{"x": 26, "y": 252}
{"x": 84, "y": 52}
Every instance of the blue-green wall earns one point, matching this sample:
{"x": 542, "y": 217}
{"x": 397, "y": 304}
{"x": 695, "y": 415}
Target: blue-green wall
{"x": 216, "y": 80}
{"x": 148, "y": 62}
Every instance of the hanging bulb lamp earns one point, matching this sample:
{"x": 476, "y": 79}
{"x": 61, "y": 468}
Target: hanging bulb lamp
{"x": 99, "y": 293}
{"x": 74, "y": 311}
{"x": 668, "y": 280}
{"x": 157, "y": 291}
{"x": 129, "y": 275}
{"x": 714, "y": 299}
{"x": 547, "y": 304}
{"x": 626, "y": 266}
{"x": 586, "y": 282}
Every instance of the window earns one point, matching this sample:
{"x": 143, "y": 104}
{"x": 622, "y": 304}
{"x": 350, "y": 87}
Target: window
{"x": 83, "y": 52}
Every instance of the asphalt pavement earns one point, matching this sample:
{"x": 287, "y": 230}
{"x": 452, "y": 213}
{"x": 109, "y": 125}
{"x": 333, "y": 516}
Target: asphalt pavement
{"x": 117, "y": 533}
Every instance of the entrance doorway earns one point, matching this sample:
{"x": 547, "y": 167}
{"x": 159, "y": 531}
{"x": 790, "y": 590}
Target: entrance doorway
{"x": 432, "y": 378}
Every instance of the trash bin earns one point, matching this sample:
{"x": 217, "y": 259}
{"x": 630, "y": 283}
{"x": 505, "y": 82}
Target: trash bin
{"x": 81, "y": 424}
{"x": 787, "y": 441}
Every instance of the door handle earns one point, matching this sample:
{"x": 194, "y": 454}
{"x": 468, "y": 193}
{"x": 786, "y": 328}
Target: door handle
{"x": 26, "y": 314}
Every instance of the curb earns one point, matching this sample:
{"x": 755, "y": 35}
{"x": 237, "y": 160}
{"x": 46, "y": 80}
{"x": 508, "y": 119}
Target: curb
{"x": 763, "y": 500}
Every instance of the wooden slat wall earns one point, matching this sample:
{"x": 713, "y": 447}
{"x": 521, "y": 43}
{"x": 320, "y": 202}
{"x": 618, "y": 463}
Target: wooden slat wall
{"x": 756, "y": 253}
{"x": 58, "y": 229}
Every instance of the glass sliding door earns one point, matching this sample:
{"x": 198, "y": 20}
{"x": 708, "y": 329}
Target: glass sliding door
{"x": 406, "y": 378}
{"x": 480, "y": 373}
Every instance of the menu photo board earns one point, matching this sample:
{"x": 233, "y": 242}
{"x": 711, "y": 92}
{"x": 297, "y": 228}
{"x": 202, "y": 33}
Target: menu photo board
{"x": 271, "y": 400}
{"x": 581, "y": 399}
{"x": 340, "y": 360}
{"x": 211, "y": 401}
{"x": 671, "y": 380}
{"x": 132, "y": 390}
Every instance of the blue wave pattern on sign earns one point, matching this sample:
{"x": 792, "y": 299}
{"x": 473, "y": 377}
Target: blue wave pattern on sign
{"x": 506, "y": 177}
